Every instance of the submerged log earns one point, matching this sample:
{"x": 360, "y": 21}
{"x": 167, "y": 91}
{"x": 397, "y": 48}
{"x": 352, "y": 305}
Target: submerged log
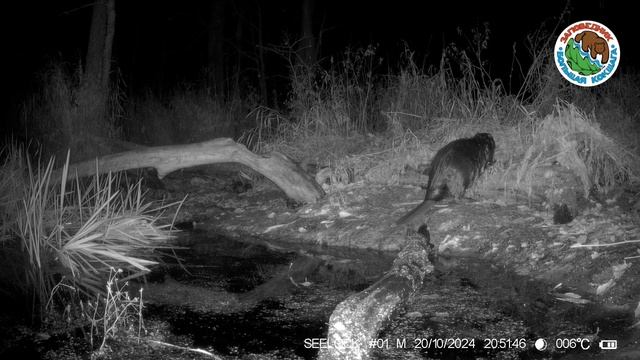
{"x": 295, "y": 183}
{"x": 358, "y": 319}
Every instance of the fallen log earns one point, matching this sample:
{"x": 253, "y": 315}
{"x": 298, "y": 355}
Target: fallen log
{"x": 357, "y": 320}
{"x": 276, "y": 167}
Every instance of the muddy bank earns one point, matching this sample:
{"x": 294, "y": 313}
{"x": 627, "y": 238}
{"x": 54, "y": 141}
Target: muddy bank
{"x": 523, "y": 274}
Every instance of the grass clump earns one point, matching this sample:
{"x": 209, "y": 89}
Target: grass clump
{"x": 117, "y": 313}
{"x": 74, "y": 232}
{"x": 576, "y": 141}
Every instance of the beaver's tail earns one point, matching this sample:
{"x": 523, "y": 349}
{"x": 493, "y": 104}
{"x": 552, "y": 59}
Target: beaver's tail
{"x": 415, "y": 214}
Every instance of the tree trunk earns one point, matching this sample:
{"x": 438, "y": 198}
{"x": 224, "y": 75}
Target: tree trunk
{"x": 215, "y": 48}
{"x": 262, "y": 72}
{"x": 308, "y": 43}
{"x": 358, "y": 319}
{"x": 94, "y": 92}
{"x": 295, "y": 183}
{"x": 239, "y": 37}
{"x": 98, "y": 59}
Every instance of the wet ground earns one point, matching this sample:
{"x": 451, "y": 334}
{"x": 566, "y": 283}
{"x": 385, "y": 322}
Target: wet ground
{"x": 239, "y": 298}
{"x": 508, "y": 275}
{"x": 469, "y": 309}
{"x": 259, "y": 277}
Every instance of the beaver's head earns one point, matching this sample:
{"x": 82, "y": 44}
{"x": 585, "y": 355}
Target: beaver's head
{"x": 488, "y": 145}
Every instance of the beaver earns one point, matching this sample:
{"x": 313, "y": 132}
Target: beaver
{"x": 454, "y": 168}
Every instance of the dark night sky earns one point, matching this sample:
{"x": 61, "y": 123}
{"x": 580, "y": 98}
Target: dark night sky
{"x": 35, "y": 33}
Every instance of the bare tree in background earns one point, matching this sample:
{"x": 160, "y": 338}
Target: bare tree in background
{"x": 98, "y": 60}
{"x": 93, "y": 97}
{"x": 260, "y": 60}
{"x": 308, "y": 51}
{"x": 215, "y": 47}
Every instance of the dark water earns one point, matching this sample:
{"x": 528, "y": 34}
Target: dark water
{"x": 283, "y": 316}
{"x": 471, "y": 299}
{"x": 268, "y": 328}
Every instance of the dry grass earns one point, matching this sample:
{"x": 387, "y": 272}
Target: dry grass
{"x": 64, "y": 114}
{"x": 577, "y": 142}
{"x": 12, "y": 173}
{"x": 116, "y": 313}
{"x": 186, "y": 116}
{"x": 341, "y": 100}
{"x": 333, "y": 113}
{"x": 424, "y": 110}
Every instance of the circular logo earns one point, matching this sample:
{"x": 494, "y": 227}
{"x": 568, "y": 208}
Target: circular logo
{"x": 587, "y": 53}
